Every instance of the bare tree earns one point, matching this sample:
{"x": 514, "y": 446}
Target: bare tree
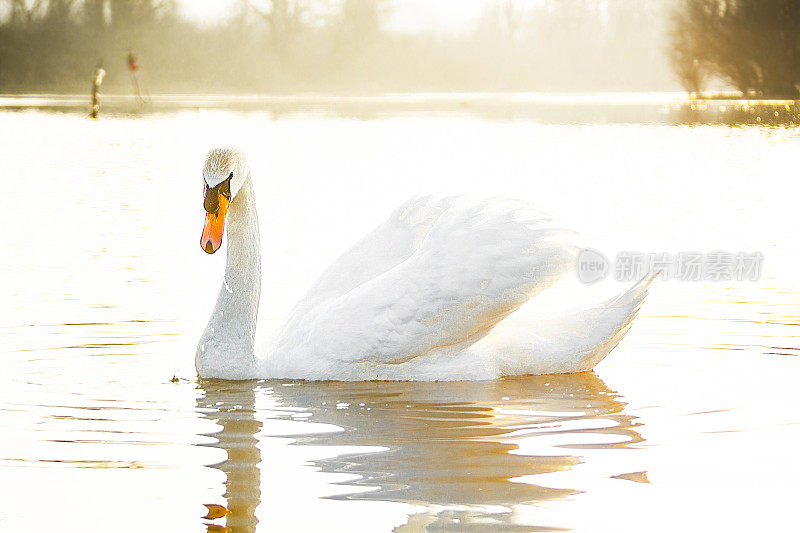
{"x": 691, "y": 43}
{"x": 753, "y": 44}
{"x": 59, "y": 11}
{"x": 23, "y": 12}
{"x": 94, "y": 15}
{"x": 509, "y": 15}
{"x": 285, "y": 20}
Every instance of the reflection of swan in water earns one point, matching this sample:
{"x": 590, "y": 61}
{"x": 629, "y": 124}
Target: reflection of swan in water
{"x": 232, "y": 406}
{"x": 449, "y": 444}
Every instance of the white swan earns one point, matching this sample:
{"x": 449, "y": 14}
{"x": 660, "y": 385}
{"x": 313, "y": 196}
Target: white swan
{"x": 430, "y": 294}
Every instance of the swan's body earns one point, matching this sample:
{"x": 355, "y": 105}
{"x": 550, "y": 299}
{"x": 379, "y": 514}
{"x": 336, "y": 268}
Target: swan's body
{"x": 431, "y": 294}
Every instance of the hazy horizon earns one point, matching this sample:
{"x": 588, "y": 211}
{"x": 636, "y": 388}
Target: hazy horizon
{"x": 340, "y": 47}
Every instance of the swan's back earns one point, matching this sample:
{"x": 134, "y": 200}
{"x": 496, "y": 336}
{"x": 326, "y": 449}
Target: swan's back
{"x": 436, "y": 277}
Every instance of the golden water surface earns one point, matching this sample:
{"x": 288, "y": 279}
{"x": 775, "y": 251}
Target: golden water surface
{"x": 690, "y": 424}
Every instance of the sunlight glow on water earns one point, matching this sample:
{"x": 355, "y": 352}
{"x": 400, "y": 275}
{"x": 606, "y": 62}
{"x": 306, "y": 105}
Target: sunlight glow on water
{"x": 692, "y": 420}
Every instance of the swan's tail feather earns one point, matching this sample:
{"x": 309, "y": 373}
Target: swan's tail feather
{"x": 637, "y": 293}
{"x": 615, "y": 318}
{"x": 629, "y": 303}
{"x": 574, "y": 342}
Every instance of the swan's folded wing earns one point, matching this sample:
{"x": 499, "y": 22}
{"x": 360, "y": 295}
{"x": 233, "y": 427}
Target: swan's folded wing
{"x": 380, "y": 250}
{"x": 478, "y": 263}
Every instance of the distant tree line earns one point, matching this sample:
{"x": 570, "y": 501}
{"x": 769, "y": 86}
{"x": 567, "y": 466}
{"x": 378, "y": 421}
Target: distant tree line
{"x": 334, "y": 46}
{"x": 45, "y": 44}
{"x": 754, "y": 45}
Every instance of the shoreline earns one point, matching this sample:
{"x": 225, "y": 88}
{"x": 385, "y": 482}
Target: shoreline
{"x": 596, "y": 97}
{"x": 608, "y": 107}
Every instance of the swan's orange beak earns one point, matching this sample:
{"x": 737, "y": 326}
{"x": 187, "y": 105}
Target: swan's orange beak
{"x": 214, "y": 227}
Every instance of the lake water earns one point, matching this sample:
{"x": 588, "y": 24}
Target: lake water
{"x": 690, "y": 424}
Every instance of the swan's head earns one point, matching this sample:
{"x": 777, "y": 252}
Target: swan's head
{"x": 224, "y": 173}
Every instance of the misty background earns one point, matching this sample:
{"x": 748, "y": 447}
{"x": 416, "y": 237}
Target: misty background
{"x": 347, "y": 46}
{"x": 384, "y": 46}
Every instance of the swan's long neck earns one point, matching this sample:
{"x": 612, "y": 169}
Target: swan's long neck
{"x": 226, "y": 347}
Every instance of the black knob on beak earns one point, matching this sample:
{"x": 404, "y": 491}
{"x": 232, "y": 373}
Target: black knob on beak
{"x": 211, "y": 196}
{"x": 211, "y": 200}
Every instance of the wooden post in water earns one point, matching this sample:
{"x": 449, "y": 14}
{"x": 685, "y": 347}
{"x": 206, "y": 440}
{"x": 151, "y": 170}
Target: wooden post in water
{"x": 99, "y": 74}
